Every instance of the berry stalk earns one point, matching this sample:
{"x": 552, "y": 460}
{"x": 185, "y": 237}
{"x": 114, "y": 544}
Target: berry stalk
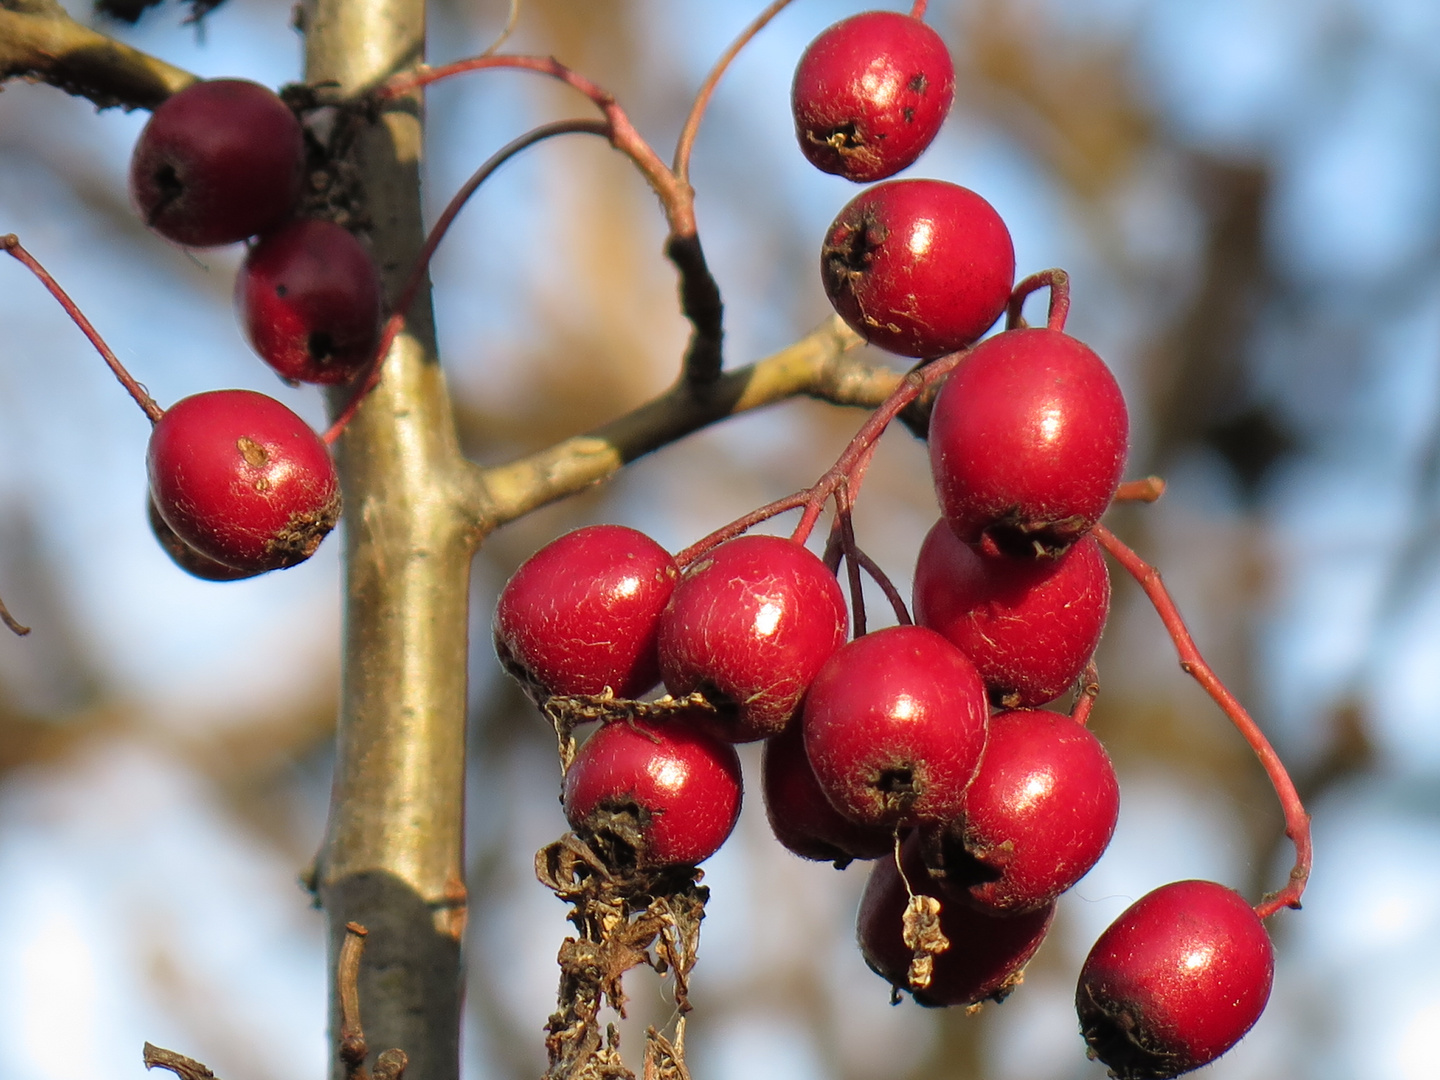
{"x": 11, "y": 243}
{"x": 1058, "y": 282}
{"x": 1297, "y": 821}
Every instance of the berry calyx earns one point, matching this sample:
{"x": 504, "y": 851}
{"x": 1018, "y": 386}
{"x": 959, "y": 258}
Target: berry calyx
{"x": 1039, "y": 813}
{"x": 984, "y": 956}
{"x": 583, "y": 613}
{"x": 749, "y": 626}
{"x": 1029, "y": 625}
{"x": 1175, "y": 981}
{"x": 918, "y": 267}
{"x": 308, "y": 295}
{"x": 800, "y": 815}
{"x": 667, "y": 791}
{"x": 1028, "y": 440}
{"x": 895, "y": 724}
{"x": 218, "y": 161}
{"x": 870, "y": 94}
{"x": 242, "y": 480}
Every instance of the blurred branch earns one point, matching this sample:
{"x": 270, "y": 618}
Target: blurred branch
{"x": 818, "y": 365}
{"x": 182, "y": 1066}
{"x": 39, "y": 41}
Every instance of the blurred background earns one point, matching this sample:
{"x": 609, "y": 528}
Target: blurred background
{"x": 1245, "y": 195}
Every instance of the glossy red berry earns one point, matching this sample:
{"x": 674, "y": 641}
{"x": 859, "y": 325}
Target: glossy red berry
{"x": 800, "y": 815}
{"x": 918, "y": 267}
{"x": 894, "y": 727}
{"x": 1175, "y": 981}
{"x": 583, "y": 613}
{"x": 1029, "y": 625}
{"x": 308, "y": 295}
{"x": 1037, "y": 816}
{"x": 870, "y": 94}
{"x": 243, "y": 480}
{"x": 1028, "y": 439}
{"x": 987, "y": 953}
{"x": 667, "y": 791}
{"x": 749, "y": 626}
{"x": 187, "y": 558}
{"x": 221, "y": 160}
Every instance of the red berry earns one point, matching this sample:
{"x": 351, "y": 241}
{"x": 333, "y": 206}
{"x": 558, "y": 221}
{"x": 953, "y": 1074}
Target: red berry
{"x": 987, "y": 953}
{"x": 667, "y": 791}
{"x": 1175, "y": 981}
{"x": 1027, "y": 441}
{"x": 583, "y": 613}
{"x": 749, "y": 626}
{"x": 1037, "y": 816}
{"x": 243, "y": 480}
{"x": 309, "y": 299}
{"x": 870, "y": 93}
{"x": 802, "y": 818}
{"x": 918, "y": 267}
{"x": 894, "y": 727}
{"x": 1030, "y": 625}
{"x": 218, "y": 161}
{"x": 187, "y": 558}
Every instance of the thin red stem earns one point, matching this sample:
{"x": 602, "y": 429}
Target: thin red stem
{"x": 852, "y": 564}
{"x": 897, "y": 602}
{"x": 1297, "y": 821}
{"x": 1058, "y": 282}
{"x": 396, "y": 322}
{"x": 917, "y": 9}
{"x": 1087, "y": 692}
{"x": 1147, "y": 490}
{"x": 707, "y": 89}
{"x": 738, "y": 526}
{"x": 11, "y": 243}
{"x": 675, "y": 195}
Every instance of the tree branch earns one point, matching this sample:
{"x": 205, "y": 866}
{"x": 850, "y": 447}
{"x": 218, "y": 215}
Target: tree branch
{"x": 819, "y": 365}
{"x": 39, "y": 41}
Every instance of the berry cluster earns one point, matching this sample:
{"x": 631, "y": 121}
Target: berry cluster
{"x": 923, "y": 745}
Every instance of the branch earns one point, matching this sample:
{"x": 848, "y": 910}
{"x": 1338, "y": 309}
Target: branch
{"x": 183, "y": 1067}
{"x": 40, "y": 42}
{"x": 818, "y": 365}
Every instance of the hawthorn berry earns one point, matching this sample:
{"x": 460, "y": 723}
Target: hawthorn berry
{"x": 895, "y": 725}
{"x": 242, "y": 480}
{"x": 918, "y": 267}
{"x": 186, "y": 557}
{"x": 800, "y": 815}
{"x": 870, "y": 94}
{"x": 749, "y": 626}
{"x": 218, "y": 161}
{"x": 1037, "y": 816}
{"x": 987, "y": 953}
{"x": 583, "y": 613}
{"x": 308, "y": 295}
{"x": 1175, "y": 981}
{"x": 1028, "y": 439}
{"x": 667, "y": 791}
{"x": 1029, "y": 625}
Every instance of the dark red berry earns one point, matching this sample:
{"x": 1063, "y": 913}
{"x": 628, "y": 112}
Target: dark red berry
{"x": 749, "y": 626}
{"x": 1037, "y": 816}
{"x": 309, "y": 298}
{"x": 894, "y": 727}
{"x": 1030, "y": 625}
{"x": 1028, "y": 439}
{"x": 187, "y": 558}
{"x": 987, "y": 953}
{"x": 583, "y": 613}
{"x": 870, "y": 93}
{"x": 800, "y": 815}
{"x": 243, "y": 480}
{"x": 1175, "y": 981}
{"x": 918, "y": 267}
{"x": 666, "y": 791}
{"x": 218, "y": 161}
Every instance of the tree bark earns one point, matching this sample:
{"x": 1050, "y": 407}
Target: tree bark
{"x": 392, "y": 855}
